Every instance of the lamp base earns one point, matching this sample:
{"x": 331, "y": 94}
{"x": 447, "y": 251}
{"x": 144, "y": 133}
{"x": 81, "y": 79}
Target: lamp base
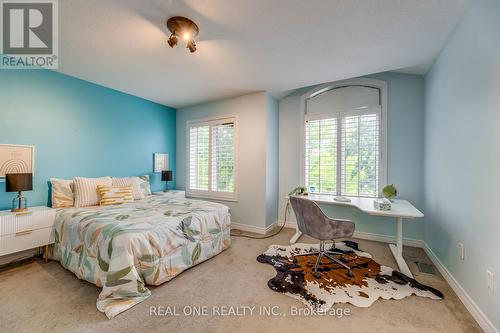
{"x": 19, "y": 204}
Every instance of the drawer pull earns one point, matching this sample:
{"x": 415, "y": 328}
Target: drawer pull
{"x": 22, "y": 213}
{"x": 25, "y": 232}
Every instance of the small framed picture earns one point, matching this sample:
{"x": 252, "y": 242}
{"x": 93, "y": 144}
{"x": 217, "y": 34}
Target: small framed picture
{"x": 16, "y": 159}
{"x": 160, "y": 162}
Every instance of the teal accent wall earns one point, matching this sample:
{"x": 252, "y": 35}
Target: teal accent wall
{"x": 405, "y": 146}
{"x": 81, "y": 129}
{"x": 462, "y": 160}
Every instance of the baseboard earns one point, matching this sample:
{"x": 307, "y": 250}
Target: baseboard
{"x": 288, "y": 224}
{"x": 469, "y": 303}
{"x": 370, "y": 236}
{"x": 387, "y": 239}
{"x": 251, "y": 228}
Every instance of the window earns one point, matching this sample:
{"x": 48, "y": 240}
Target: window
{"x": 343, "y": 141}
{"x": 211, "y": 165}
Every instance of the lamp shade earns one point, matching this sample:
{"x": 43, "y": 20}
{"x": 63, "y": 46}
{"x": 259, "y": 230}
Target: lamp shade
{"x": 166, "y": 175}
{"x": 18, "y": 182}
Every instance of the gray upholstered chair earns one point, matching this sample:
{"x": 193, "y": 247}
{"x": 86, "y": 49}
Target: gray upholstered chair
{"x": 313, "y": 222}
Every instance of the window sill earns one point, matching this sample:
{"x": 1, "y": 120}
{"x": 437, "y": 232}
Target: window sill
{"x": 211, "y": 197}
{"x": 346, "y": 195}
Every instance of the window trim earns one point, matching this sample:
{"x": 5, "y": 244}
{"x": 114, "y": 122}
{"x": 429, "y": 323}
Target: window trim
{"x": 223, "y": 196}
{"x": 372, "y": 83}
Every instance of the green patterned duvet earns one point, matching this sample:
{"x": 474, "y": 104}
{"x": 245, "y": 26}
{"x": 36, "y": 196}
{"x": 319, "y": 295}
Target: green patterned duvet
{"x": 125, "y": 247}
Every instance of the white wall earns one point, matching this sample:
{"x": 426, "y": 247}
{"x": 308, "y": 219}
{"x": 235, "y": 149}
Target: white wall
{"x": 272, "y": 161}
{"x": 254, "y": 125}
{"x": 462, "y": 156}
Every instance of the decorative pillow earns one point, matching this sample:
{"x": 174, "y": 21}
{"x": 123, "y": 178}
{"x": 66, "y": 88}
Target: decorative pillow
{"x": 62, "y": 193}
{"x": 130, "y": 181}
{"x": 145, "y": 185}
{"x": 86, "y": 190}
{"x": 115, "y": 195}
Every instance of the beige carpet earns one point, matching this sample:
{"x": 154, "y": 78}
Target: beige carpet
{"x": 37, "y": 297}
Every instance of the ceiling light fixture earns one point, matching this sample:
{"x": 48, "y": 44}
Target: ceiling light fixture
{"x": 182, "y": 28}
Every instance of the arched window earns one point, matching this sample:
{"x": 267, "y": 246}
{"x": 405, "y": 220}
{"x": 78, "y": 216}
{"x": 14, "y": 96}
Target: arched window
{"x": 344, "y": 138}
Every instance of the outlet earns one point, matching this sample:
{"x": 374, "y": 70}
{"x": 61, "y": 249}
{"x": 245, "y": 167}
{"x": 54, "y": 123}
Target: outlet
{"x": 461, "y": 251}
{"x": 490, "y": 280}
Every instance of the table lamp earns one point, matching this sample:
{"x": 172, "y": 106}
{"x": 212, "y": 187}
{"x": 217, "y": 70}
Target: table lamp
{"x": 166, "y": 176}
{"x": 18, "y": 182}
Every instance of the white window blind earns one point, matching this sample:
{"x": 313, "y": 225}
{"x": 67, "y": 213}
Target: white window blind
{"x": 223, "y": 157}
{"x": 321, "y": 155}
{"x": 198, "y": 157}
{"x": 212, "y": 159}
{"x": 342, "y": 140}
{"x": 360, "y": 155}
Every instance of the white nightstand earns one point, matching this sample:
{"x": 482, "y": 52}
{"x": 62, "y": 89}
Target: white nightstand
{"x": 27, "y": 230}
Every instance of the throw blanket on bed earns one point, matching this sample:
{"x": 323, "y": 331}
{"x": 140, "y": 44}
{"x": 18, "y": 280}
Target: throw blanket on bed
{"x": 122, "y": 248}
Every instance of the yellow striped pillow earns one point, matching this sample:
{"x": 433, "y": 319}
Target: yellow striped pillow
{"x": 115, "y": 195}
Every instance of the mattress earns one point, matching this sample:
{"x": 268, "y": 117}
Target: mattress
{"x": 125, "y": 247}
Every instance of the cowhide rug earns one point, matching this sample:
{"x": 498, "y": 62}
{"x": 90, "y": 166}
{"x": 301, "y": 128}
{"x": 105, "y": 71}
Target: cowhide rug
{"x": 370, "y": 281}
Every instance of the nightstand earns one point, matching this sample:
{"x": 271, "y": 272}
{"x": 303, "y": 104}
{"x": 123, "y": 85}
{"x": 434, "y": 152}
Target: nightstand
{"x": 27, "y": 230}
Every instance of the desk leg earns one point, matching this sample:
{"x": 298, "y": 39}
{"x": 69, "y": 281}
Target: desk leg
{"x": 296, "y": 236}
{"x": 397, "y": 250}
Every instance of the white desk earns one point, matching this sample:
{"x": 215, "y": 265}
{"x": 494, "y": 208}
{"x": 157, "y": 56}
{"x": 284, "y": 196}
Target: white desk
{"x": 400, "y": 209}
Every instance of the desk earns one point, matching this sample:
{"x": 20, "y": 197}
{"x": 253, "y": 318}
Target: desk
{"x": 400, "y": 209}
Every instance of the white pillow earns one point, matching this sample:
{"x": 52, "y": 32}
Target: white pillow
{"x": 130, "y": 181}
{"x": 86, "y": 190}
{"x": 62, "y": 193}
{"x": 145, "y": 185}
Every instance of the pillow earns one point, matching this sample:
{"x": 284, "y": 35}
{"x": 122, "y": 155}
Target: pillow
{"x": 86, "y": 190}
{"x": 115, "y": 195}
{"x": 130, "y": 181}
{"x": 144, "y": 184}
{"x": 62, "y": 193}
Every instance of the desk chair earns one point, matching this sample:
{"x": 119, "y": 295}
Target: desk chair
{"x": 313, "y": 222}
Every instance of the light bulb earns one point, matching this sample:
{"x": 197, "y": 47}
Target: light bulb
{"x": 186, "y": 36}
{"x": 191, "y": 45}
{"x": 172, "y": 40}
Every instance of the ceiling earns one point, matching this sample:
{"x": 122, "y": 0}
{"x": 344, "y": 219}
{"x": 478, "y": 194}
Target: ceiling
{"x": 247, "y": 45}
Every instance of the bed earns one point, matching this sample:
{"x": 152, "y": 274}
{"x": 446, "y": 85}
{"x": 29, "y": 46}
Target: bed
{"x": 125, "y": 247}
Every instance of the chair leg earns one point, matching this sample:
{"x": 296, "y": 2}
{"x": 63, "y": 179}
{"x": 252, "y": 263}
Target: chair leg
{"x": 322, "y": 252}
{"x": 335, "y": 260}
{"x": 294, "y": 256}
{"x": 317, "y": 275}
{"x": 331, "y": 250}
{"x": 306, "y": 254}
